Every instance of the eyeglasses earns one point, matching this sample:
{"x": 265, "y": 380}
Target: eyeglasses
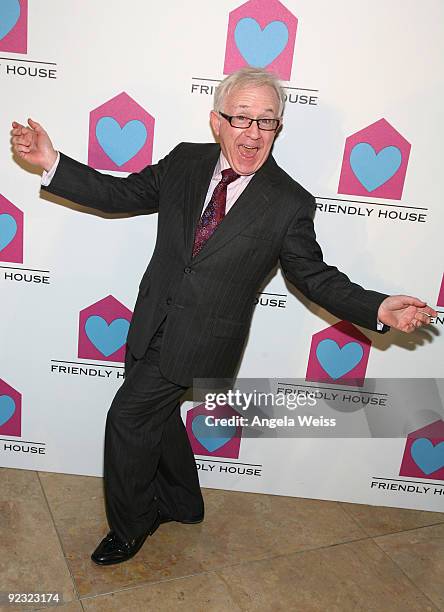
{"x": 242, "y": 122}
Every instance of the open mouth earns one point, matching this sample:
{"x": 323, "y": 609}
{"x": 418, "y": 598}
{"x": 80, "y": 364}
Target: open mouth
{"x": 247, "y": 151}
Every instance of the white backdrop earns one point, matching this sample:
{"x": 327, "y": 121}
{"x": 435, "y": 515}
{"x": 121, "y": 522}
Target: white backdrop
{"x": 354, "y": 63}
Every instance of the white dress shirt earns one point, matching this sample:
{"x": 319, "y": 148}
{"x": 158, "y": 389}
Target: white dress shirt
{"x": 234, "y": 189}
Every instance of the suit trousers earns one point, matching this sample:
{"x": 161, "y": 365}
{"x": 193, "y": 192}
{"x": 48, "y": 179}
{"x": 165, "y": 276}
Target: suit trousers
{"x": 149, "y": 465}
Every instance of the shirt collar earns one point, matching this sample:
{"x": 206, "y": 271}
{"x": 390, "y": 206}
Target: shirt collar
{"x": 221, "y": 164}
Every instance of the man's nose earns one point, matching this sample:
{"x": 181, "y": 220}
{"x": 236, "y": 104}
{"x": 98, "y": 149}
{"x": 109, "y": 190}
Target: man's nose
{"x": 253, "y": 131}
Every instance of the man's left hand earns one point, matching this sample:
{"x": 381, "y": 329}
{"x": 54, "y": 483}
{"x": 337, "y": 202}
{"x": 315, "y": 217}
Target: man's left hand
{"x": 405, "y": 312}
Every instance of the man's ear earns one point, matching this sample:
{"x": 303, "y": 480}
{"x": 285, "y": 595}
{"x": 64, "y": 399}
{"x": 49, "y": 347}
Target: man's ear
{"x": 215, "y": 123}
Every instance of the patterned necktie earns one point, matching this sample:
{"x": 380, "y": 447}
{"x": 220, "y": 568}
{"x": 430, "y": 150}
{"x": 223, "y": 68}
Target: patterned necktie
{"x": 214, "y": 212}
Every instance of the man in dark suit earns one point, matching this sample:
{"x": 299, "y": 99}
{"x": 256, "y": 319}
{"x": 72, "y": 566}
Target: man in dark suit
{"x": 227, "y": 214}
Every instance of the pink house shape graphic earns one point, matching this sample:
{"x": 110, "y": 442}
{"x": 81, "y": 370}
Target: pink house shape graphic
{"x": 121, "y": 135}
{"x": 261, "y": 33}
{"x": 103, "y": 329}
{"x": 375, "y": 162}
{"x": 14, "y": 26}
{"x": 213, "y": 440}
{"x": 339, "y": 354}
{"x": 11, "y": 232}
{"x": 440, "y": 301}
{"x": 10, "y": 410}
{"x": 424, "y": 452}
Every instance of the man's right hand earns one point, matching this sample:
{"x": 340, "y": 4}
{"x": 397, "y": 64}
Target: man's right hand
{"x": 33, "y": 144}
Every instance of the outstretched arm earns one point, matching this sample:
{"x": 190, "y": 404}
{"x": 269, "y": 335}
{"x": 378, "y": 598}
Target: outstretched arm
{"x": 302, "y": 262}
{"x": 78, "y": 182}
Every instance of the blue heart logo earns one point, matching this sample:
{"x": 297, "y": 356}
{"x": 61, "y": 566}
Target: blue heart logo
{"x": 260, "y": 47}
{"x": 120, "y": 144}
{"x": 106, "y": 338}
{"x": 338, "y": 361}
{"x": 427, "y": 457}
{"x": 374, "y": 169}
{"x": 7, "y": 408}
{"x": 9, "y": 15}
{"x": 212, "y": 437}
{"x": 8, "y": 230}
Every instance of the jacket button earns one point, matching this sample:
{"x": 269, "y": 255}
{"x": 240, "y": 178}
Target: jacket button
{"x": 187, "y": 270}
{"x": 169, "y": 301}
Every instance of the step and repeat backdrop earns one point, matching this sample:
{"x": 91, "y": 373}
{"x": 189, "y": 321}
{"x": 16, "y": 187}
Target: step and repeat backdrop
{"x": 117, "y": 85}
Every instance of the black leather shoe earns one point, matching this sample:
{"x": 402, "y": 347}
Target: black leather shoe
{"x": 112, "y": 550}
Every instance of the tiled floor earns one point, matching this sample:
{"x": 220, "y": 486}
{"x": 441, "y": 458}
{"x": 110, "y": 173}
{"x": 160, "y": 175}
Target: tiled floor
{"x": 252, "y": 552}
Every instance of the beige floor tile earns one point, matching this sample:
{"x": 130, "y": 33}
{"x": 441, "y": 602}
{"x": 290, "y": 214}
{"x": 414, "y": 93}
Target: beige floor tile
{"x": 275, "y": 524}
{"x": 238, "y": 527}
{"x": 420, "y": 554}
{"x": 73, "y": 606}
{"x": 71, "y": 496}
{"x": 380, "y": 520}
{"x": 19, "y": 485}
{"x": 203, "y": 593}
{"x": 354, "y": 577}
{"x": 32, "y": 559}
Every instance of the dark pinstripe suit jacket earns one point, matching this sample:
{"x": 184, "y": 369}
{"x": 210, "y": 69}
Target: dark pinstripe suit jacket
{"x": 209, "y": 299}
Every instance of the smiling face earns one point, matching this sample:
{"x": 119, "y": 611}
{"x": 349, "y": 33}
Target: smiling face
{"x": 246, "y": 150}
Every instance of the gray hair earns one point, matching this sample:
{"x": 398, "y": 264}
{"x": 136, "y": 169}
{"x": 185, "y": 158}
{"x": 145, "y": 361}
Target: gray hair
{"x": 248, "y": 77}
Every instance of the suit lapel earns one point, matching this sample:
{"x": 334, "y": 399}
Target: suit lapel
{"x": 200, "y": 175}
{"x": 255, "y": 199}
